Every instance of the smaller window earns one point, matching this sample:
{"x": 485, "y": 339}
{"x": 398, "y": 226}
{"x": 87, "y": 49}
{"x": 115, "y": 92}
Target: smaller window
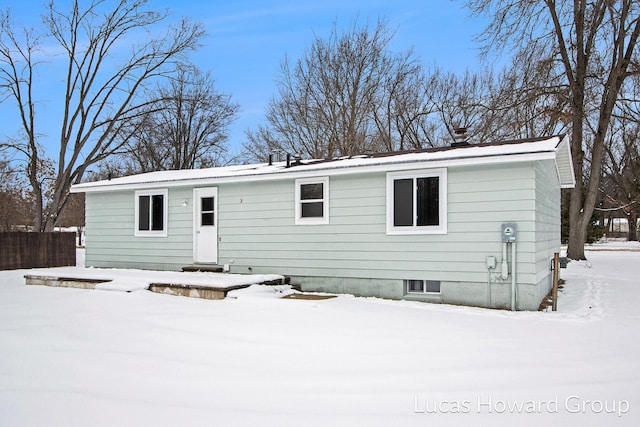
{"x": 151, "y": 213}
{"x": 422, "y": 286}
{"x": 312, "y": 201}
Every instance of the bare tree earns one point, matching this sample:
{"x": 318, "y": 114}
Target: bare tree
{"x": 14, "y": 204}
{"x": 73, "y": 214}
{"x": 402, "y": 107}
{"x": 185, "y": 128}
{"x": 463, "y": 101}
{"x": 595, "y": 47}
{"x": 520, "y": 101}
{"x": 347, "y": 95}
{"x": 100, "y": 97}
{"x": 527, "y": 99}
{"x": 621, "y": 181}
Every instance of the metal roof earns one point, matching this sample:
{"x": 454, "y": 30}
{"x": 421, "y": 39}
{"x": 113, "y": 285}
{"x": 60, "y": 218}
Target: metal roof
{"x": 554, "y": 147}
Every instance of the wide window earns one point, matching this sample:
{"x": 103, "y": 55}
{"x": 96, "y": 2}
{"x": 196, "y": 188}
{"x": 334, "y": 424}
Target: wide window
{"x": 151, "y": 213}
{"x": 312, "y": 201}
{"x": 416, "y": 202}
{"x": 422, "y": 286}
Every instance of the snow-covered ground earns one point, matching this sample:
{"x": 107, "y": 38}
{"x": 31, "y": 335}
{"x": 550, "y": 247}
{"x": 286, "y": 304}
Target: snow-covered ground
{"x": 72, "y": 357}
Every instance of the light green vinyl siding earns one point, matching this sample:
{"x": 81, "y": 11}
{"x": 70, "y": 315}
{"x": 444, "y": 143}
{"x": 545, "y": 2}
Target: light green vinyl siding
{"x": 257, "y": 233}
{"x": 110, "y": 239}
{"x": 547, "y": 222}
{"x": 257, "y": 228}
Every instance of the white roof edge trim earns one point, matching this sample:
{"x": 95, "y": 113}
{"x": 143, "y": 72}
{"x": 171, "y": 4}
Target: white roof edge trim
{"x": 328, "y": 171}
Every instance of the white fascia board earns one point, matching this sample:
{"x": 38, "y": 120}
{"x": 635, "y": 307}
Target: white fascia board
{"x": 327, "y": 169}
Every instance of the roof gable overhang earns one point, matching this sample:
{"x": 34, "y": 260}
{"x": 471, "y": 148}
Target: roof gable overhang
{"x": 564, "y": 164}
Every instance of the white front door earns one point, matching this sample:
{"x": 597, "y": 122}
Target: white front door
{"x": 205, "y": 225}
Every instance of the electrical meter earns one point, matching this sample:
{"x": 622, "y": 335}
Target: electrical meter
{"x": 509, "y": 232}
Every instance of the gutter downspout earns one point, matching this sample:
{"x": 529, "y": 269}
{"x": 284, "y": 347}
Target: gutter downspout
{"x": 505, "y": 266}
{"x": 489, "y": 286}
{"x": 513, "y": 276}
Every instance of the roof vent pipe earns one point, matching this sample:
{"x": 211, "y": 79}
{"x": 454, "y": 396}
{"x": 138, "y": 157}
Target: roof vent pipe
{"x": 288, "y": 160}
{"x": 460, "y": 137}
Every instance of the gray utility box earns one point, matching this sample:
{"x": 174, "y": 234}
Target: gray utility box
{"x": 509, "y": 232}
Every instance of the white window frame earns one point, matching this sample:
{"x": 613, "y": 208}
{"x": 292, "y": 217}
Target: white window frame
{"x": 441, "y": 228}
{"x": 424, "y": 286}
{"x": 165, "y": 213}
{"x": 325, "y": 201}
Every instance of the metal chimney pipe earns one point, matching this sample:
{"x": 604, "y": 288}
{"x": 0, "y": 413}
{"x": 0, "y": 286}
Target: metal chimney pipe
{"x": 460, "y": 137}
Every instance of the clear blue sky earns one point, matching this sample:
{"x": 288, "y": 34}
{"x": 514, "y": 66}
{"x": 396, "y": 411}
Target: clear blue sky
{"x": 247, "y": 39}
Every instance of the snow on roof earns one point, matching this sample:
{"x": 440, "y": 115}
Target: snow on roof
{"x": 555, "y": 147}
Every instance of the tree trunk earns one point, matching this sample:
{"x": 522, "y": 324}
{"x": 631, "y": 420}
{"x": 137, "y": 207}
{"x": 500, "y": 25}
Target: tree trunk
{"x": 38, "y": 200}
{"x": 582, "y": 207}
{"x": 577, "y": 226}
{"x": 57, "y": 204}
{"x": 37, "y": 213}
{"x": 577, "y": 236}
{"x": 633, "y": 227}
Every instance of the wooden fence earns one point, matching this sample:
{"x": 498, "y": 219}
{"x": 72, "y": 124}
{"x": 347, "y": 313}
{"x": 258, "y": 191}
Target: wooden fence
{"x": 37, "y": 250}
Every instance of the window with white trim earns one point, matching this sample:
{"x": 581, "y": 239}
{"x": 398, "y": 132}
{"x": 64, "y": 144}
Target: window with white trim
{"x": 151, "y": 213}
{"x": 417, "y": 202}
{"x": 422, "y": 286}
{"x": 312, "y": 200}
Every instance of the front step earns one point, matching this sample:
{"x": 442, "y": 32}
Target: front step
{"x": 202, "y": 268}
{"x": 194, "y": 291}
